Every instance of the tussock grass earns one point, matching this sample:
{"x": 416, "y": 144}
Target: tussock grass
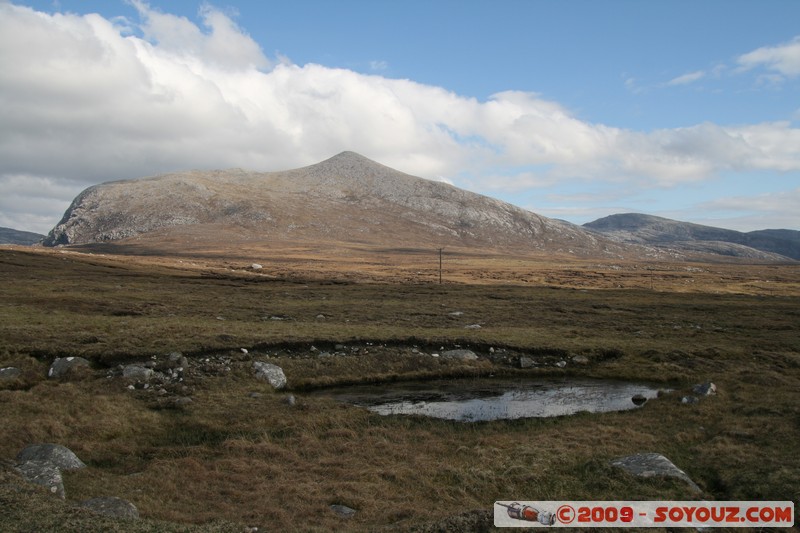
{"x": 230, "y": 459}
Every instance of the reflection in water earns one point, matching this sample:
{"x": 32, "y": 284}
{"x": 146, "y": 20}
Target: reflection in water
{"x": 477, "y": 400}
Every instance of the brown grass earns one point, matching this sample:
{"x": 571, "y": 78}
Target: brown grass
{"x": 259, "y": 462}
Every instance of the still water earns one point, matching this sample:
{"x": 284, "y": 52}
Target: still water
{"x": 472, "y": 400}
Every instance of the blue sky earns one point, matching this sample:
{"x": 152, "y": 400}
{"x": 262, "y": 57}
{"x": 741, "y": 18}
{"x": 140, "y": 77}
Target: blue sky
{"x": 572, "y": 109}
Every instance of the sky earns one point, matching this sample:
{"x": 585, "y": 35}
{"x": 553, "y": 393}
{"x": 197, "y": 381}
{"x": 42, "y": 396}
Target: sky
{"x": 573, "y": 109}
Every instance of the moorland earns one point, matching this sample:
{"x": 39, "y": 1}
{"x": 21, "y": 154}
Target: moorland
{"x": 238, "y": 454}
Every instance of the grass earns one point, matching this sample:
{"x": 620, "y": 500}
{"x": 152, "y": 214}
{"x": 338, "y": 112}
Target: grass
{"x": 230, "y": 458}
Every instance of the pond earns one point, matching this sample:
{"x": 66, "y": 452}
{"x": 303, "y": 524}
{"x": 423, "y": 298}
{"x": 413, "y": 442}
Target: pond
{"x": 473, "y": 400}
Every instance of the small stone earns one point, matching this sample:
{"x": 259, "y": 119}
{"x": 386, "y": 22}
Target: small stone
{"x": 243, "y": 350}
{"x": 561, "y": 364}
{"x": 320, "y": 316}
{"x": 256, "y": 266}
{"x": 689, "y": 399}
{"x": 705, "y": 389}
{"x": 473, "y": 326}
{"x": 580, "y": 360}
{"x": 343, "y": 510}
{"x": 526, "y": 362}
{"x": 290, "y": 400}
{"x": 111, "y": 506}
{"x": 137, "y": 373}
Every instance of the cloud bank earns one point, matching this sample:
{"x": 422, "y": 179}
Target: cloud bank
{"x": 86, "y": 99}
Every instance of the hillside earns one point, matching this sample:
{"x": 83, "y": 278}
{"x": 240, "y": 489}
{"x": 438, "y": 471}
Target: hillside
{"x": 13, "y": 236}
{"x": 635, "y": 228}
{"x": 345, "y": 199}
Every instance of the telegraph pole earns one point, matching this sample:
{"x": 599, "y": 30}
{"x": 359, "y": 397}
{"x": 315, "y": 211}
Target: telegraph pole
{"x": 440, "y": 265}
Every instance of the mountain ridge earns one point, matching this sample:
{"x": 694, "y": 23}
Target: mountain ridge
{"x": 347, "y": 197}
{"x": 651, "y": 230}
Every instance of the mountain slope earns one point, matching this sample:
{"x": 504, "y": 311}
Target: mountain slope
{"x": 650, "y": 230}
{"x": 347, "y": 198}
{"x": 14, "y": 236}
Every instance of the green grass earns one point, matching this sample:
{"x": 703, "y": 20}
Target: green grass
{"x": 256, "y": 461}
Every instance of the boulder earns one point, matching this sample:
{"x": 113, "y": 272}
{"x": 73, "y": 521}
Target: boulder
{"x": 462, "y": 355}
{"x": 9, "y": 373}
{"x": 272, "y": 373}
{"x": 137, "y": 373}
{"x": 45, "y": 474}
{"x": 653, "y": 465}
{"x": 111, "y": 506}
{"x": 63, "y": 367}
{"x": 55, "y": 454}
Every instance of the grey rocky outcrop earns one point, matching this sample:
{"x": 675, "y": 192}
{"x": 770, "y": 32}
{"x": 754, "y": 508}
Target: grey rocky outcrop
{"x": 653, "y": 465}
{"x": 42, "y": 464}
{"x": 10, "y": 373}
{"x": 63, "y": 367}
{"x": 45, "y": 474}
{"x": 55, "y": 454}
{"x": 271, "y": 373}
{"x": 462, "y": 355}
{"x": 111, "y": 506}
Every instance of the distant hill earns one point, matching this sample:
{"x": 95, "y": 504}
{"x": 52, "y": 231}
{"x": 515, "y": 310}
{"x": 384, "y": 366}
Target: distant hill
{"x": 13, "y": 236}
{"x": 347, "y": 198}
{"x": 661, "y": 232}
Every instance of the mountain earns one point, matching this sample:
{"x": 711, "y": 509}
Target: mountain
{"x": 661, "y": 232}
{"x": 347, "y": 198}
{"x": 13, "y": 236}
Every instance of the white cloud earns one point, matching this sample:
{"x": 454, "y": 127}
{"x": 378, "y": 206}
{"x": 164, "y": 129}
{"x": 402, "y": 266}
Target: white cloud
{"x": 687, "y": 78}
{"x": 783, "y": 59}
{"x": 87, "y": 100}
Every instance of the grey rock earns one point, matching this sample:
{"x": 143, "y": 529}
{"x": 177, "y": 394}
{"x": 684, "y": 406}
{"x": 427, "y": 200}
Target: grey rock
{"x": 653, "y": 465}
{"x": 177, "y": 360}
{"x": 561, "y": 364}
{"x": 462, "y": 355}
{"x": 639, "y": 399}
{"x": 256, "y": 266}
{"x": 473, "y": 326}
{"x": 45, "y": 474}
{"x": 137, "y": 373}
{"x": 272, "y": 373}
{"x": 580, "y": 360}
{"x": 343, "y": 510}
{"x": 112, "y": 506}
{"x": 705, "y": 389}
{"x": 10, "y": 373}
{"x": 62, "y": 367}
{"x": 55, "y": 454}
{"x": 689, "y": 399}
{"x": 290, "y": 400}
{"x": 526, "y": 362}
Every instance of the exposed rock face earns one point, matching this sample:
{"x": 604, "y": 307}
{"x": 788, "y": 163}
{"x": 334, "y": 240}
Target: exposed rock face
{"x": 346, "y": 198}
{"x": 44, "y": 474}
{"x": 653, "y": 465}
{"x": 661, "y": 232}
